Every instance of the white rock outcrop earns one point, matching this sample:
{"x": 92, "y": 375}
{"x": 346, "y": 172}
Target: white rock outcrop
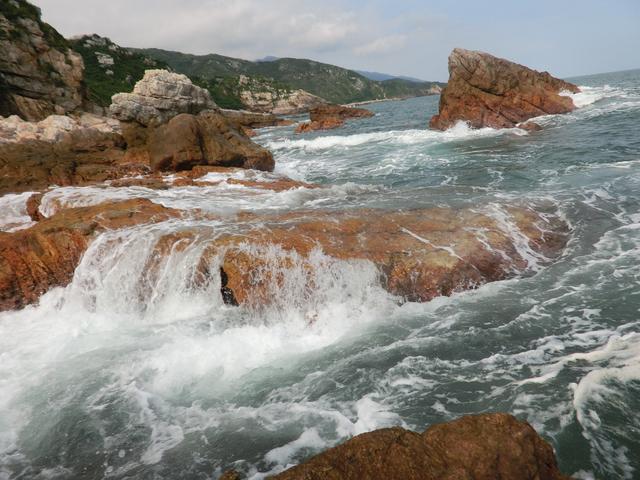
{"x": 53, "y": 128}
{"x": 160, "y": 96}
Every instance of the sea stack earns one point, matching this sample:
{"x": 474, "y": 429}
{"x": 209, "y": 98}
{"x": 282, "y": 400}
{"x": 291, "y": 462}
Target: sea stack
{"x": 487, "y": 91}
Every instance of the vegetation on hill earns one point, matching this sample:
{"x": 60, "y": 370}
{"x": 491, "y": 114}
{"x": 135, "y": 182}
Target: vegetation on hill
{"x": 109, "y": 68}
{"x": 21, "y": 9}
{"x": 335, "y": 84}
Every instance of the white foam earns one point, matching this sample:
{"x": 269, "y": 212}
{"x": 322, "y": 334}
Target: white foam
{"x": 13, "y": 212}
{"x": 460, "y": 131}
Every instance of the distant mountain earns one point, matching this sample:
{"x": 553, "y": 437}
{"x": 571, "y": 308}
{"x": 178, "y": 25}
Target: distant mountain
{"x": 268, "y": 58}
{"x": 381, "y": 77}
{"x": 330, "y": 82}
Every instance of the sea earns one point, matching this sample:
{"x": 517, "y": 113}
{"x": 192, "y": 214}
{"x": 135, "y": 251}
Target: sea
{"x": 123, "y": 376}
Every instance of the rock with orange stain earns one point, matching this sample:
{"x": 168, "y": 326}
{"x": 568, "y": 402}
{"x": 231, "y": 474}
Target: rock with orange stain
{"x": 486, "y": 91}
{"x": 479, "y": 447}
{"x": 328, "y": 116}
{"x": 36, "y": 259}
{"x": 419, "y": 254}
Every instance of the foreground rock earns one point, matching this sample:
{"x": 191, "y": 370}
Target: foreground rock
{"x": 46, "y": 255}
{"x": 325, "y": 117}
{"x": 158, "y": 97}
{"x": 487, "y": 91}
{"x": 61, "y": 151}
{"x": 420, "y": 254}
{"x": 39, "y": 74}
{"x": 479, "y": 447}
{"x": 247, "y": 121}
{"x": 64, "y": 151}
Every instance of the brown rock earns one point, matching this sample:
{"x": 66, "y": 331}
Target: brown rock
{"x": 420, "y": 254}
{"x": 33, "y": 206}
{"x": 248, "y": 119}
{"x": 39, "y": 74}
{"x": 487, "y": 91}
{"x": 44, "y": 256}
{"x": 81, "y": 156}
{"x": 206, "y": 139}
{"x": 478, "y": 447}
{"x": 328, "y": 116}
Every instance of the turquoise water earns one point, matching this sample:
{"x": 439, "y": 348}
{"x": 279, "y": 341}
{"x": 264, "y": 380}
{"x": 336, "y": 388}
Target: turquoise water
{"x": 99, "y": 383}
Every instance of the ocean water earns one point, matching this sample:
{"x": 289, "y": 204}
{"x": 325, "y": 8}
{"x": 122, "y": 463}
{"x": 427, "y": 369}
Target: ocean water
{"x": 128, "y": 376}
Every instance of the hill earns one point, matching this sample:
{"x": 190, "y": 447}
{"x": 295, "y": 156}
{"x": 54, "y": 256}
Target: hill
{"x": 330, "y": 82}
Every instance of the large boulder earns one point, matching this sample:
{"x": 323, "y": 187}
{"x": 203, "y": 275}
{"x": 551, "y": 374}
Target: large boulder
{"x": 205, "y": 139}
{"x": 329, "y": 116}
{"x": 158, "y": 97}
{"x": 39, "y": 74}
{"x": 478, "y": 447}
{"x": 420, "y": 254}
{"x": 61, "y": 150}
{"x": 486, "y": 91}
{"x": 46, "y": 255}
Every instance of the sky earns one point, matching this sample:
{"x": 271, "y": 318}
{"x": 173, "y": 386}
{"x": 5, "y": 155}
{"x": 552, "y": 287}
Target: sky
{"x": 400, "y": 37}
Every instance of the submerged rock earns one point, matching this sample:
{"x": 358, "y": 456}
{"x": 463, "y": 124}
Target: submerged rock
{"x": 160, "y": 96}
{"x": 420, "y": 254}
{"x": 46, "y": 255}
{"x": 487, "y": 91}
{"x": 39, "y": 74}
{"x": 325, "y": 117}
{"x": 478, "y": 447}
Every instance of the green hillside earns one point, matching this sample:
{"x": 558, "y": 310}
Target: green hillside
{"x": 333, "y": 83}
{"x": 109, "y": 68}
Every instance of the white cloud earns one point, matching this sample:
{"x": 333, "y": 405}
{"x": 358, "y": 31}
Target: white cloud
{"x": 390, "y": 43}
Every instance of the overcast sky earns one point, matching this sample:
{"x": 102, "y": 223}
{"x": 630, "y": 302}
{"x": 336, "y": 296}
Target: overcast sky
{"x": 402, "y": 37}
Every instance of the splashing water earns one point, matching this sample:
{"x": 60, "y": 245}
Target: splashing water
{"x": 137, "y": 369}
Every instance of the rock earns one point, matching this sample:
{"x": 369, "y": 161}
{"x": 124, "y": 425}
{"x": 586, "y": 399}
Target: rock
{"x": 324, "y": 117}
{"x": 62, "y": 151}
{"x": 420, "y": 254}
{"x": 74, "y": 151}
{"x": 530, "y": 126}
{"x": 244, "y": 118}
{"x": 39, "y": 74}
{"x": 46, "y": 255}
{"x": 204, "y": 139}
{"x": 160, "y": 96}
{"x": 487, "y": 91}
{"x": 279, "y": 102}
{"x": 33, "y": 207}
{"x": 475, "y": 447}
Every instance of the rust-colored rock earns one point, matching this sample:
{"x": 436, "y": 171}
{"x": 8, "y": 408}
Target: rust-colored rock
{"x": 420, "y": 254}
{"x": 204, "y": 139}
{"x": 44, "y": 256}
{"x": 79, "y": 157}
{"x": 328, "y": 116}
{"x": 478, "y": 447}
{"x": 487, "y": 91}
{"x": 33, "y": 207}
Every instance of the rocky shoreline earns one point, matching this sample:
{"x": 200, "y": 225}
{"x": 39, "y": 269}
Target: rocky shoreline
{"x": 169, "y": 133}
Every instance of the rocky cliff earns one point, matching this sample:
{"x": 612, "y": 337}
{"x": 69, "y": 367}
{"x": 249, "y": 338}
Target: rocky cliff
{"x": 39, "y": 74}
{"x": 487, "y": 91}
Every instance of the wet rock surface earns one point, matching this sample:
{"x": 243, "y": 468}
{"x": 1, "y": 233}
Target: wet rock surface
{"x": 326, "y": 117}
{"x": 478, "y": 447}
{"x": 487, "y": 91}
{"x": 34, "y": 260}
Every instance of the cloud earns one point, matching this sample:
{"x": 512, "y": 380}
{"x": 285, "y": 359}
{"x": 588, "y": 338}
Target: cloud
{"x": 387, "y": 44}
